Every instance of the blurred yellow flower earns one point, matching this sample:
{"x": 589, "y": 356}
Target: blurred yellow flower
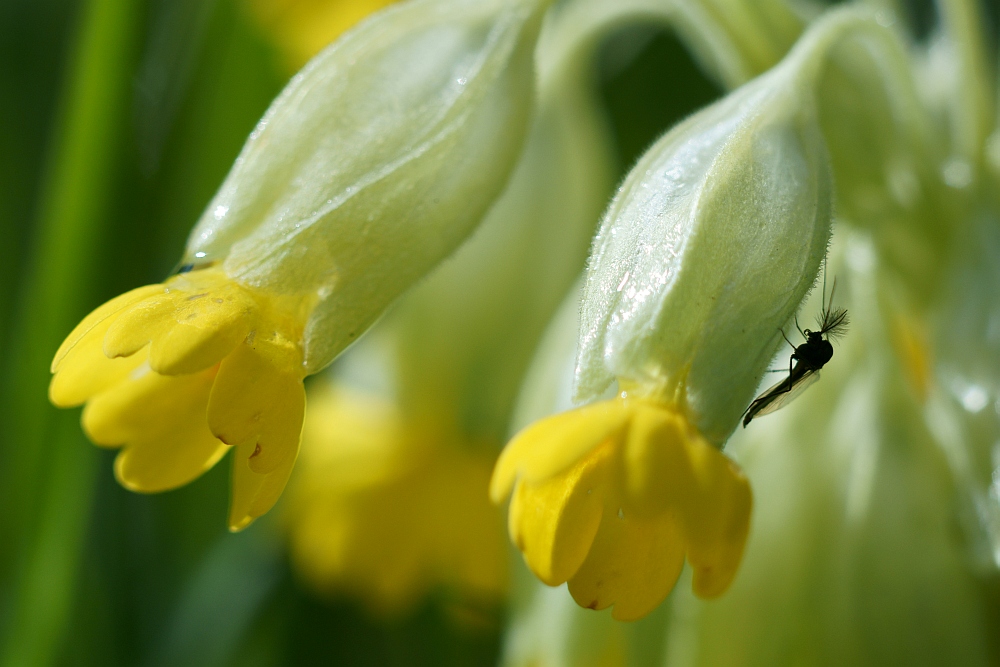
{"x": 174, "y": 372}
{"x": 386, "y": 510}
{"x": 301, "y": 28}
{"x": 612, "y": 496}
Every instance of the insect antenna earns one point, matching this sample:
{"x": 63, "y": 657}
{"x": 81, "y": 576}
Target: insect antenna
{"x": 824, "y": 316}
{"x": 835, "y": 323}
{"x": 824, "y": 285}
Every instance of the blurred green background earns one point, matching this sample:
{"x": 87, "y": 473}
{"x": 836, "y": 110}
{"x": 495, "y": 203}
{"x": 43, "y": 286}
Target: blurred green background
{"x": 118, "y": 120}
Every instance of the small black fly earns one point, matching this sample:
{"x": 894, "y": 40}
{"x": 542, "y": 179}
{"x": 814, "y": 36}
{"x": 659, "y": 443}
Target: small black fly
{"x": 806, "y": 361}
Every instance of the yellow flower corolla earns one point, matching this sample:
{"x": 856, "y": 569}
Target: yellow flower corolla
{"x": 178, "y": 373}
{"x": 301, "y": 28}
{"x": 612, "y": 496}
{"x": 385, "y": 510}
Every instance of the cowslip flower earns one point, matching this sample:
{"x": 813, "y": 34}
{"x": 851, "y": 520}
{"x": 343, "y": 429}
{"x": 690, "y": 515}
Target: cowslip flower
{"x": 612, "y": 497}
{"x": 376, "y": 161}
{"x": 174, "y": 373}
{"x": 384, "y": 511}
{"x": 707, "y": 250}
{"x": 876, "y": 509}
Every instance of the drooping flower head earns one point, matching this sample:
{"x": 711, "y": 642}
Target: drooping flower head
{"x": 874, "y": 538}
{"x": 612, "y": 497}
{"x": 705, "y": 255}
{"x": 174, "y": 373}
{"x": 374, "y": 163}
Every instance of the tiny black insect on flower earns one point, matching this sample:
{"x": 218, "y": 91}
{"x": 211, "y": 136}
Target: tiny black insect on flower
{"x": 806, "y": 361}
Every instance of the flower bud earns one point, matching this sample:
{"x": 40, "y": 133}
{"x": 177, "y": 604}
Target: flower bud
{"x": 706, "y": 252}
{"x": 376, "y": 161}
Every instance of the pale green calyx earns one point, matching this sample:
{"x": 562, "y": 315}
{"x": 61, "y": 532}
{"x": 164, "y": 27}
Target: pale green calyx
{"x": 706, "y": 252}
{"x": 376, "y": 161}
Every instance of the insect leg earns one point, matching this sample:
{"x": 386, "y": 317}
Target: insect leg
{"x": 786, "y": 338}
{"x": 785, "y": 390}
{"x": 798, "y": 327}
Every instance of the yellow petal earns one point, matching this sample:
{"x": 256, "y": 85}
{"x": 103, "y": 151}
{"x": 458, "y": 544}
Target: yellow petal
{"x": 84, "y": 370}
{"x": 258, "y": 404}
{"x": 161, "y": 421}
{"x": 551, "y": 445}
{"x": 186, "y": 332}
{"x": 136, "y": 326}
{"x": 253, "y": 494}
{"x": 386, "y": 509}
{"x": 99, "y": 315}
{"x": 672, "y": 468}
{"x": 660, "y": 491}
{"x": 145, "y": 402}
{"x": 168, "y": 461}
{"x": 554, "y": 522}
{"x": 633, "y": 564}
{"x": 717, "y": 528}
{"x": 658, "y": 469}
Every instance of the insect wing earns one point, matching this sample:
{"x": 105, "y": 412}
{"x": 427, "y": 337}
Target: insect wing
{"x": 780, "y": 400}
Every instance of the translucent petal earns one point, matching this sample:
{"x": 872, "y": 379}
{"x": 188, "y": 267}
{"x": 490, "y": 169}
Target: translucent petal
{"x": 378, "y": 160}
{"x": 732, "y": 211}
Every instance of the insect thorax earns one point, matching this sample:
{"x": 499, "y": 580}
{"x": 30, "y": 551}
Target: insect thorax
{"x": 815, "y": 352}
